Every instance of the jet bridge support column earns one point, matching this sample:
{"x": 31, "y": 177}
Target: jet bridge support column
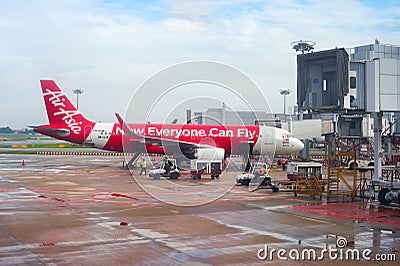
{"x": 377, "y": 178}
{"x": 377, "y": 146}
{"x": 389, "y": 190}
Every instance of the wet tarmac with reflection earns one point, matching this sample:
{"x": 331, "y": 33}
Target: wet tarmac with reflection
{"x": 89, "y": 210}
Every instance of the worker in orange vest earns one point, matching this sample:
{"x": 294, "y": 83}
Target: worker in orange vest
{"x": 283, "y": 161}
{"x": 262, "y": 171}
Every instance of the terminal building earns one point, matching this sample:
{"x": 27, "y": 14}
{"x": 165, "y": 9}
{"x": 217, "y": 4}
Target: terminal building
{"x": 230, "y": 117}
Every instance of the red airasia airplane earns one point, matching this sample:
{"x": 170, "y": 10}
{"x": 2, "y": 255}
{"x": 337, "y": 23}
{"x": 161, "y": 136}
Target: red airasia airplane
{"x": 191, "y": 140}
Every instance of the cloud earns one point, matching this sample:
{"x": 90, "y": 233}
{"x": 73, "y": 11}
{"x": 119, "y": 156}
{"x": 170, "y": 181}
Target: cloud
{"x": 110, "y": 47}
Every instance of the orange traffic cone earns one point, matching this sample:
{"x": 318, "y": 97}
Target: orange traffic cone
{"x": 23, "y": 162}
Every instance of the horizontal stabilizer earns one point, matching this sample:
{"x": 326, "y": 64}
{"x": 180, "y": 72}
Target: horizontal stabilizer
{"x": 59, "y": 131}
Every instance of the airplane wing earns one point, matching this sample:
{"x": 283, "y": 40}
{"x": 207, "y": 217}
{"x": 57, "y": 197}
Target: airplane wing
{"x": 187, "y": 148}
{"x": 173, "y": 146}
{"x": 59, "y": 131}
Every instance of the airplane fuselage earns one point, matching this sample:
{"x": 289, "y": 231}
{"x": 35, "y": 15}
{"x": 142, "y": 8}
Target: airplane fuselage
{"x": 263, "y": 139}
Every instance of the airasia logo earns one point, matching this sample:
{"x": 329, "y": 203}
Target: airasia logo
{"x": 57, "y": 100}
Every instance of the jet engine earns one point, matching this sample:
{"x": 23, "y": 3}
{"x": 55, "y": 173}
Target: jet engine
{"x": 209, "y": 154}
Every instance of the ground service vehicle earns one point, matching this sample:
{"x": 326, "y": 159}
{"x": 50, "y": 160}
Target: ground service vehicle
{"x": 168, "y": 168}
{"x": 258, "y": 175}
{"x": 201, "y": 167}
{"x": 304, "y": 170}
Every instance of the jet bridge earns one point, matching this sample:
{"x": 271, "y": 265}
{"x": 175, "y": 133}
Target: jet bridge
{"x": 322, "y": 80}
{"x": 362, "y": 80}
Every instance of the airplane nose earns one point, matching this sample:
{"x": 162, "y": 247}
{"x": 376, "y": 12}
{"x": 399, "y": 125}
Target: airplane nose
{"x": 298, "y": 145}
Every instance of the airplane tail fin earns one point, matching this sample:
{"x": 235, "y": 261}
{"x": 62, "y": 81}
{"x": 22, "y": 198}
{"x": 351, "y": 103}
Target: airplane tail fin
{"x": 65, "y": 121}
{"x": 59, "y": 108}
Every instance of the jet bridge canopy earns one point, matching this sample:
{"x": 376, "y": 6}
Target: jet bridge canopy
{"x": 322, "y": 79}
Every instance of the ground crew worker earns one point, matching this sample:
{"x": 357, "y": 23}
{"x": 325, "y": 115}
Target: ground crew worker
{"x": 283, "y": 161}
{"x": 167, "y": 166}
{"x": 262, "y": 171}
{"x": 143, "y": 166}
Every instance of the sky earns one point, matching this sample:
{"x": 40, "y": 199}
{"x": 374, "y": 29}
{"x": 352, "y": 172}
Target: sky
{"x": 109, "y": 48}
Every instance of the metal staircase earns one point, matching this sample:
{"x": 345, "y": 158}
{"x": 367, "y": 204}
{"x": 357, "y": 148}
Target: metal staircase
{"x": 340, "y": 180}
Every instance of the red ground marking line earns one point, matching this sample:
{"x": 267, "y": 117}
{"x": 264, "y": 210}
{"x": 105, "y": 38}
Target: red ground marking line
{"x": 68, "y": 200}
{"x": 72, "y": 190}
{"x": 354, "y": 211}
{"x": 114, "y": 195}
{"x": 75, "y": 153}
{"x": 109, "y": 200}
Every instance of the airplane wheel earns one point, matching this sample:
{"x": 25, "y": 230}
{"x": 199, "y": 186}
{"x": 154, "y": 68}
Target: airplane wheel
{"x": 266, "y": 182}
{"x": 381, "y": 196}
{"x": 351, "y": 166}
{"x": 174, "y": 176}
{"x": 275, "y": 189}
{"x": 246, "y": 182}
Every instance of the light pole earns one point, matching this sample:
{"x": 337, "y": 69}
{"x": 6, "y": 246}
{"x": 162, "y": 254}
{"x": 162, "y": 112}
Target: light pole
{"x": 284, "y": 92}
{"x": 77, "y": 91}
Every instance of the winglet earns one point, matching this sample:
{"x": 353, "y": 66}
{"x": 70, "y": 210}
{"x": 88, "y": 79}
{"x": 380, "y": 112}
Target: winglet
{"x": 125, "y": 127}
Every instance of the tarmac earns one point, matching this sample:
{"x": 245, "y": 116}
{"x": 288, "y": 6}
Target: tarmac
{"x": 89, "y": 210}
